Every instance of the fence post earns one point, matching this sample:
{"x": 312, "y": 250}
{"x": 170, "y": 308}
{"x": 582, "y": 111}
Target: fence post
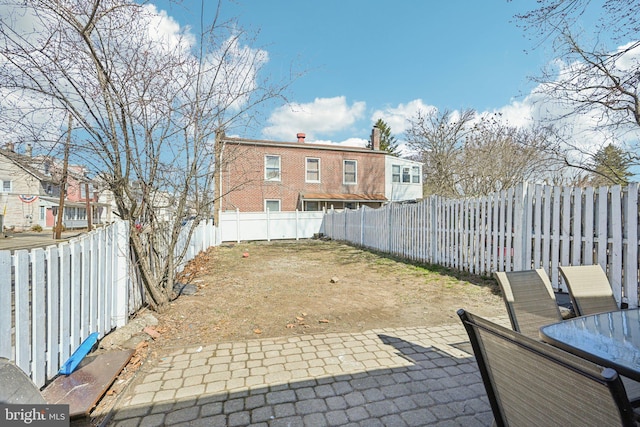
{"x": 520, "y": 220}
{"x": 433, "y": 201}
{"x": 237, "y": 225}
{"x": 120, "y": 234}
{"x": 362, "y": 225}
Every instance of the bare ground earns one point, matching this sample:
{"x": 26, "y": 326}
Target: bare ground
{"x": 273, "y": 289}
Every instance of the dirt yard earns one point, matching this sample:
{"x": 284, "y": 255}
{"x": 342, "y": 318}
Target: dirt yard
{"x": 265, "y": 290}
{"x": 260, "y": 290}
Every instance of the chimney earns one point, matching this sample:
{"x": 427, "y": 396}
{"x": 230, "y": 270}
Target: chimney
{"x": 375, "y": 139}
{"x": 301, "y": 136}
{"x": 29, "y": 151}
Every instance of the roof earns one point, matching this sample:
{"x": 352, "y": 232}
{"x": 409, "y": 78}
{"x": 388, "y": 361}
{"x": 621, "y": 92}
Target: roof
{"x": 25, "y": 162}
{"x": 302, "y": 145}
{"x": 345, "y": 196}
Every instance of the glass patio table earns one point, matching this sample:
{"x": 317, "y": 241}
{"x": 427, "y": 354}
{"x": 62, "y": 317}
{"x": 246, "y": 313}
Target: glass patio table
{"x": 610, "y": 339}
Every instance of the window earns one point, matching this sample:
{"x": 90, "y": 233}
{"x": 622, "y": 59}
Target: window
{"x": 272, "y": 168}
{"x": 395, "y": 173}
{"x": 313, "y": 170}
{"x": 312, "y": 206}
{"x": 406, "y": 176}
{"x": 272, "y": 205}
{"x": 350, "y": 172}
{"x": 6, "y": 186}
{"x": 415, "y": 174}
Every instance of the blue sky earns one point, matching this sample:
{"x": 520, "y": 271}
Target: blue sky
{"x": 366, "y": 59}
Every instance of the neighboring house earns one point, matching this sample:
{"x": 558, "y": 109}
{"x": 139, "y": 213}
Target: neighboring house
{"x": 23, "y": 185}
{"x": 403, "y": 179}
{"x": 30, "y": 193}
{"x": 260, "y": 175}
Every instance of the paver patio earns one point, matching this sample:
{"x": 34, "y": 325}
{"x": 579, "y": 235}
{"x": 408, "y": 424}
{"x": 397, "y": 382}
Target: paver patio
{"x": 385, "y": 377}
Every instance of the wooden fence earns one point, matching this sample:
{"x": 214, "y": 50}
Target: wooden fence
{"x": 52, "y": 298}
{"x": 531, "y": 226}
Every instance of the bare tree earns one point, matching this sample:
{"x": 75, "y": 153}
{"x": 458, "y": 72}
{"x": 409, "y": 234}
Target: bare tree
{"x": 497, "y": 157}
{"x": 148, "y": 103}
{"x": 438, "y": 139}
{"x": 596, "y": 73}
{"x": 469, "y": 155}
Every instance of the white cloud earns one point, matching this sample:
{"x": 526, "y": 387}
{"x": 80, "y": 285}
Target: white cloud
{"x": 397, "y": 117}
{"x": 323, "y": 116}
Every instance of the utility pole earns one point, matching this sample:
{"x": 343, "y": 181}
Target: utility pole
{"x": 89, "y": 210}
{"x": 63, "y": 183}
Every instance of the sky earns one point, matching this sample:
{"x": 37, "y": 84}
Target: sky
{"x": 368, "y": 59}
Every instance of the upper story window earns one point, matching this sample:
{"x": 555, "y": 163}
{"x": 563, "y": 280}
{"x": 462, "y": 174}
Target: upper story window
{"x": 395, "y": 173}
{"x": 415, "y": 174}
{"x": 313, "y": 170}
{"x": 272, "y": 168}
{"x": 350, "y": 172}
{"x": 6, "y": 186}
{"x": 405, "y": 174}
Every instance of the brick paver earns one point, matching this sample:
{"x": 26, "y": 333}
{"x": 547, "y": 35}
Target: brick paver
{"x": 388, "y": 377}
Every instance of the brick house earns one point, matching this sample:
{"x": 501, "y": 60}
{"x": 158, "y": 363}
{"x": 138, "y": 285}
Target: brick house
{"x": 284, "y": 176}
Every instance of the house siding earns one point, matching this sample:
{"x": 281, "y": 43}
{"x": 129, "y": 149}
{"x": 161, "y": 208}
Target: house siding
{"x": 17, "y": 213}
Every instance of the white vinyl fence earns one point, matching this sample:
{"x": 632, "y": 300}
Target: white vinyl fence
{"x": 532, "y": 226}
{"x": 51, "y": 299}
{"x": 243, "y": 226}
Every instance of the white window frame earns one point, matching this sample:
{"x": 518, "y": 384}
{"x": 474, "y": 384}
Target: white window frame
{"x": 406, "y": 175}
{"x": 4, "y": 189}
{"x": 266, "y": 201}
{"x": 344, "y": 172}
{"x": 266, "y": 168}
{"x": 415, "y": 175}
{"x": 396, "y": 174}
{"x": 306, "y": 169}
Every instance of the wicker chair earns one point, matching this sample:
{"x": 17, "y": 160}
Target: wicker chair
{"x": 522, "y": 377}
{"x": 530, "y": 300}
{"x": 589, "y": 289}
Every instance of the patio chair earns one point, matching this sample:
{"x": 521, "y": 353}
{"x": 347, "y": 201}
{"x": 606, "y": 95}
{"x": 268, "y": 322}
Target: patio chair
{"x": 530, "y": 300}
{"x": 589, "y": 289}
{"x": 522, "y": 376}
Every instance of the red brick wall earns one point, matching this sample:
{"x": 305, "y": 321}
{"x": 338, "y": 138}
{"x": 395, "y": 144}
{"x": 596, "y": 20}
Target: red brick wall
{"x": 246, "y": 189}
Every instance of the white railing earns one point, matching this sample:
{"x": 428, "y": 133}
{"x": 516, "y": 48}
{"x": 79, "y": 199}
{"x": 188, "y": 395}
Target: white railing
{"x": 52, "y": 298}
{"x": 531, "y": 226}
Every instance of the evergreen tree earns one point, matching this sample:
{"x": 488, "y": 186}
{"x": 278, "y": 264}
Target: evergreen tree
{"x": 610, "y": 167}
{"x": 388, "y": 142}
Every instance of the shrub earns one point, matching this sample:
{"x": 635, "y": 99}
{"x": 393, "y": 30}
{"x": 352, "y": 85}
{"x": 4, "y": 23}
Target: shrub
{"x": 36, "y": 227}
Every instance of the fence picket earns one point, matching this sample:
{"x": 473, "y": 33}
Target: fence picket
{"x": 631, "y": 253}
{"x": 53, "y": 311}
{"x": 38, "y": 317}
{"x": 5, "y": 305}
{"x": 22, "y": 321}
